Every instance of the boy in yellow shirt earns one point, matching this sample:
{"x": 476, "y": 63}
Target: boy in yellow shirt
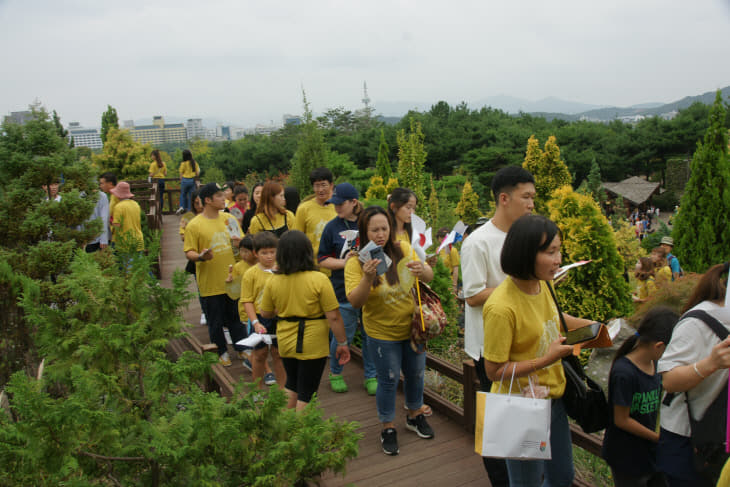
{"x": 252, "y": 291}
{"x": 314, "y": 214}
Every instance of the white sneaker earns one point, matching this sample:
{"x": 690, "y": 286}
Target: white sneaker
{"x": 203, "y": 321}
{"x": 180, "y": 211}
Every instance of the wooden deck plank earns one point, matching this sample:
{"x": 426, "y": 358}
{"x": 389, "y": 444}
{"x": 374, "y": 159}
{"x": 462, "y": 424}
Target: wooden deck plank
{"x": 448, "y": 459}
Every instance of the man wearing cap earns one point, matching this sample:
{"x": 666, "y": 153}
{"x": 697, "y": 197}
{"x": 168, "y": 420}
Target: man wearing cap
{"x": 514, "y": 192}
{"x": 312, "y": 215}
{"x": 667, "y": 243}
{"x": 337, "y": 234}
{"x": 208, "y": 244}
{"x": 126, "y": 221}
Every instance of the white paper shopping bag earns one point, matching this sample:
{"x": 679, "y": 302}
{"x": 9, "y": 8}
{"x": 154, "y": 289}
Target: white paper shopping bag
{"x": 512, "y": 426}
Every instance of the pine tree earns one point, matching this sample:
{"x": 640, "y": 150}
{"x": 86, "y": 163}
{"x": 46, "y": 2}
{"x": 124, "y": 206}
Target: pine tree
{"x": 468, "y": 207}
{"x": 594, "y": 182}
{"x": 123, "y": 156}
{"x": 597, "y": 290}
{"x": 411, "y": 158}
{"x": 62, "y": 132}
{"x": 109, "y": 120}
{"x": 702, "y": 228}
{"x": 549, "y": 170}
{"x": 382, "y": 165}
{"x": 433, "y": 202}
{"x": 311, "y": 152}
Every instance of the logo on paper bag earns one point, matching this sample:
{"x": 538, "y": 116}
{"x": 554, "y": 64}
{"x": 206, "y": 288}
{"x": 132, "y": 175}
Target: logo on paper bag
{"x": 543, "y": 445}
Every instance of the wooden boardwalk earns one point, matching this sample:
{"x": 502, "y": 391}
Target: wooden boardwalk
{"x": 446, "y": 460}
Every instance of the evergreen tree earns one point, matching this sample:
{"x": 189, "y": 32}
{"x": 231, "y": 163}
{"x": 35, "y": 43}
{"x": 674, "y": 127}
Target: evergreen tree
{"x": 468, "y": 208}
{"x": 596, "y": 290}
{"x": 311, "y": 152}
{"x": 109, "y": 120}
{"x": 549, "y": 170}
{"x": 702, "y": 227}
{"x": 62, "y": 132}
{"x": 382, "y": 165}
{"x": 594, "y": 182}
{"x": 411, "y": 158}
{"x": 376, "y": 189}
{"x": 433, "y": 203}
{"x": 123, "y": 156}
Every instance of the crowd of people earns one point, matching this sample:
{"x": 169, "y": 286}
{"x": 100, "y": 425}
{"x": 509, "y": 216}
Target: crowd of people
{"x": 266, "y": 263}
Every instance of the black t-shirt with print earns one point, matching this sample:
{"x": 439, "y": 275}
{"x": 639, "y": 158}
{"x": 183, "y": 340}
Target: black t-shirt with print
{"x": 629, "y": 386}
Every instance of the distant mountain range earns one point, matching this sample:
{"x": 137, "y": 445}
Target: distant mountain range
{"x": 552, "y": 107}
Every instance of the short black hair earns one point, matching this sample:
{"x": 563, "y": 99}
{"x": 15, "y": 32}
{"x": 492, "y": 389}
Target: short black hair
{"x": 109, "y": 177}
{"x": 507, "y": 179}
{"x": 239, "y": 189}
{"x": 294, "y": 253}
{"x": 320, "y": 174}
{"x": 527, "y": 236}
{"x": 246, "y": 243}
{"x": 265, "y": 240}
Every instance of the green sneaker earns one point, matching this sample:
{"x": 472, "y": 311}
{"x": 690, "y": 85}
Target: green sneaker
{"x": 371, "y": 384}
{"x": 337, "y": 383}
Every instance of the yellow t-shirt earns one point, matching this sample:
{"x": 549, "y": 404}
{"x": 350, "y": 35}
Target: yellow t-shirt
{"x": 403, "y": 237}
{"x": 113, "y": 200}
{"x": 186, "y": 171}
{"x": 127, "y": 214}
{"x": 306, "y": 294}
{"x": 157, "y": 171}
{"x": 311, "y": 218}
{"x": 184, "y": 220}
{"x": 664, "y": 274}
{"x": 233, "y": 288}
{"x": 388, "y": 311}
{"x": 210, "y": 233}
{"x": 261, "y": 222}
{"x": 450, "y": 259}
{"x": 519, "y": 326}
{"x": 252, "y": 288}
{"x": 646, "y": 288}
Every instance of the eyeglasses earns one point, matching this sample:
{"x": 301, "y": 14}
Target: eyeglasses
{"x": 321, "y": 185}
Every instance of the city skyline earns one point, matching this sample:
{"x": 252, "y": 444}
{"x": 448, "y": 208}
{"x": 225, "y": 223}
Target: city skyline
{"x": 246, "y": 64}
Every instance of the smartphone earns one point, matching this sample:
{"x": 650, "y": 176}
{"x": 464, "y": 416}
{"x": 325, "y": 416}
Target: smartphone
{"x": 584, "y": 334}
{"x": 377, "y": 253}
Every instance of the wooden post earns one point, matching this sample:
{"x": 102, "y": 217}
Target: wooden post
{"x": 470, "y": 394}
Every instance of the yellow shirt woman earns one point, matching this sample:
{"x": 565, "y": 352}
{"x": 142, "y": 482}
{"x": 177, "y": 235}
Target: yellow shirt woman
{"x": 186, "y": 171}
{"x": 157, "y": 172}
{"x": 260, "y": 222}
{"x": 127, "y": 222}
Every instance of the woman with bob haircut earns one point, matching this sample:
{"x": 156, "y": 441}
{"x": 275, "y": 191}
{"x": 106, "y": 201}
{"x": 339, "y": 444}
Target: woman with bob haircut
{"x": 271, "y": 213}
{"x": 522, "y": 336}
{"x": 695, "y": 363}
{"x": 387, "y": 311}
{"x": 307, "y": 308}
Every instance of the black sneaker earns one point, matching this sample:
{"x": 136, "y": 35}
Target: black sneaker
{"x": 420, "y": 426}
{"x": 389, "y": 440}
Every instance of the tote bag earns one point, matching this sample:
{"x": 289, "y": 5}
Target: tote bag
{"x": 512, "y": 426}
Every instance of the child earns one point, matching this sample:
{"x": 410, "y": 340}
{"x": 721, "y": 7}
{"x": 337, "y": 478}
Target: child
{"x": 252, "y": 289}
{"x": 662, "y": 270}
{"x": 634, "y": 391}
{"x": 645, "y": 276}
{"x": 305, "y": 302}
{"x": 240, "y": 205}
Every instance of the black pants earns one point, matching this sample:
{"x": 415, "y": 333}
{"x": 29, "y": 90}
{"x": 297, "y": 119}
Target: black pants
{"x": 303, "y": 376}
{"x": 496, "y": 467}
{"x": 220, "y": 311}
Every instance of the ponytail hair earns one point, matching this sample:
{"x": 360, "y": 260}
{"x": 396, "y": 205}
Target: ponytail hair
{"x": 656, "y": 326}
{"x": 188, "y": 156}
{"x": 156, "y": 156}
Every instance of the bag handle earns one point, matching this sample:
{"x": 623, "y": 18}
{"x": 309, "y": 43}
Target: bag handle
{"x": 557, "y": 305}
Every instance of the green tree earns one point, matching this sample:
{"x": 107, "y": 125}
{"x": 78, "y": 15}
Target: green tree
{"x": 411, "y": 159}
{"x": 376, "y": 189}
{"x": 382, "y": 165}
{"x": 123, "y": 156}
{"x": 311, "y": 152}
{"x": 468, "y": 207}
{"x": 594, "y": 183}
{"x": 111, "y": 408}
{"x": 596, "y": 290}
{"x": 548, "y": 168}
{"x": 702, "y": 227}
{"x": 109, "y": 120}
{"x": 37, "y": 237}
{"x": 62, "y": 132}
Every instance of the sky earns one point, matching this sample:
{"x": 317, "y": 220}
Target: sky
{"x": 246, "y": 62}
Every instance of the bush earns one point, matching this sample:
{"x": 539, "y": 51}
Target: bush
{"x": 666, "y": 201}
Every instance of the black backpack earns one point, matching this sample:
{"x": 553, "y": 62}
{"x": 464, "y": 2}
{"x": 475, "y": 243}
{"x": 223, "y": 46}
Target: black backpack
{"x": 708, "y": 433}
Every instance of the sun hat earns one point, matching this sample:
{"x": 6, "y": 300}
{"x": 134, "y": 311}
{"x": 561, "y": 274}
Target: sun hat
{"x": 668, "y": 241}
{"x": 122, "y": 191}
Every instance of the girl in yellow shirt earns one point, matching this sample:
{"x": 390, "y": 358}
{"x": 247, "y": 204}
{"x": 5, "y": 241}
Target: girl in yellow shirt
{"x": 271, "y": 213}
{"x": 158, "y": 172}
{"x": 401, "y": 206}
{"x": 189, "y": 170}
{"x": 387, "y": 312}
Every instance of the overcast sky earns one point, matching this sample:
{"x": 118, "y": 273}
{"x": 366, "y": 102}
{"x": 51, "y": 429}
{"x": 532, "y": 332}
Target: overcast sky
{"x": 245, "y": 62}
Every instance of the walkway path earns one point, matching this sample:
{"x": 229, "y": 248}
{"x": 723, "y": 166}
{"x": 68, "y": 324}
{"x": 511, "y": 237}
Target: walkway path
{"x": 447, "y": 460}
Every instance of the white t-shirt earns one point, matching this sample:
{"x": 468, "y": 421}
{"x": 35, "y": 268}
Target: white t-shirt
{"x": 692, "y": 341}
{"x": 480, "y": 269}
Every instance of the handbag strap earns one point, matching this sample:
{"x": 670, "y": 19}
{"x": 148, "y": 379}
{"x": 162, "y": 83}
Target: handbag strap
{"x": 557, "y": 305}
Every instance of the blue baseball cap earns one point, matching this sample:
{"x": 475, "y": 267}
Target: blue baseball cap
{"x": 343, "y": 192}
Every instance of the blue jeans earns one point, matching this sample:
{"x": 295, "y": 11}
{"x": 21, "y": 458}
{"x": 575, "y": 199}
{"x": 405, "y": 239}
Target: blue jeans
{"x": 558, "y": 471}
{"x": 390, "y": 357}
{"x": 187, "y": 186}
{"x": 351, "y": 318}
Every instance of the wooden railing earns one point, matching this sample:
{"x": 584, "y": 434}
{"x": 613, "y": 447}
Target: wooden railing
{"x": 172, "y": 196}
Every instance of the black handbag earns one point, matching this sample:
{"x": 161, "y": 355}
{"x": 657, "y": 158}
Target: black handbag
{"x": 583, "y": 398}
